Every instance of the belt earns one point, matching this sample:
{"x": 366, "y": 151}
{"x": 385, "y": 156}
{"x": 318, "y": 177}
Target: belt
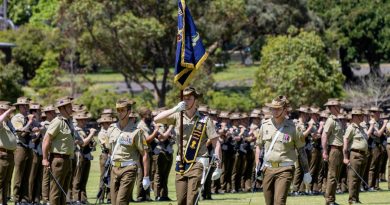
{"x": 336, "y": 147}
{"x": 358, "y": 151}
{"x": 62, "y": 156}
{"x": 124, "y": 164}
{"x": 6, "y": 151}
{"x": 278, "y": 164}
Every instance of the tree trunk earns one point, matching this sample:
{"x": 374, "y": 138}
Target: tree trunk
{"x": 345, "y": 65}
{"x": 375, "y": 69}
{"x": 163, "y": 91}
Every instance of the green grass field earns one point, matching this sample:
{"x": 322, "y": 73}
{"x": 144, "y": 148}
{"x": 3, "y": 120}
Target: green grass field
{"x": 380, "y": 197}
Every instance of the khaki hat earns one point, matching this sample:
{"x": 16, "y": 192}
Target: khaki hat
{"x": 49, "y": 108}
{"x": 191, "y": 91}
{"x": 22, "y": 101}
{"x": 356, "y": 111}
{"x": 333, "y": 102}
{"x": 142, "y": 111}
{"x": 303, "y": 109}
{"x": 244, "y": 115}
{"x": 82, "y": 116}
{"x": 256, "y": 111}
{"x": 34, "y": 106}
{"x": 224, "y": 114}
{"x": 108, "y": 111}
{"x": 5, "y": 102}
{"x": 213, "y": 112}
{"x": 203, "y": 108}
{"x": 265, "y": 110}
{"x": 124, "y": 103}
{"x": 314, "y": 110}
{"x": 365, "y": 111}
{"x": 63, "y": 101}
{"x": 375, "y": 109}
{"x": 105, "y": 119}
{"x": 133, "y": 115}
{"x": 79, "y": 108}
{"x": 278, "y": 102}
{"x": 235, "y": 116}
{"x": 254, "y": 115}
{"x": 5, "y": 106}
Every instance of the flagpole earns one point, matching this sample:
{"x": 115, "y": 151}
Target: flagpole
{"x": 181, "y": 164}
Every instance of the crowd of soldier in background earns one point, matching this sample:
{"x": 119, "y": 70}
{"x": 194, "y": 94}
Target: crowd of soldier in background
{"x": 24, "y": 150}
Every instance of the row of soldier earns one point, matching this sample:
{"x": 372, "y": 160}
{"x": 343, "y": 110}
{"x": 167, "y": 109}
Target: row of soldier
{"x": 238, "y": 134}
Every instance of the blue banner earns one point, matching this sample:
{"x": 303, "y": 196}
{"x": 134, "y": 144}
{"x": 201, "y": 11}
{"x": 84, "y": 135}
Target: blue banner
{"x": 190, "y": 52}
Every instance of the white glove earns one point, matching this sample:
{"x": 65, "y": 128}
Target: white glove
{"x": 180, "y": 107}
{"x": 216, "y": 174}
{"x": 307, "y": 178}
{"x": 145, "y": 183}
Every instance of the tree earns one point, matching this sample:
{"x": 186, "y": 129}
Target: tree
{"x": 20, "y": 11}
{"x": 296, "y": 66}
{"x": 10, "y": 78}
{"x": 359, "y": 29}
{"x": 32, "y": 43}
{"x": 370, "y": 91}
{"x": 138, "y": 39}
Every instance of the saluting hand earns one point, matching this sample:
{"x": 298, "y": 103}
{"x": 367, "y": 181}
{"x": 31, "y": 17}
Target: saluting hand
{"x": 30, "y": 117}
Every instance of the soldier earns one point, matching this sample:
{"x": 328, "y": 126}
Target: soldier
{"x": 388, "y": 153}
{"x": 129, "y": 149}
{"x": 355, "y": 149}
{"x": 281, "y": 141}
{"x": 323, "y": 173}
{"x": 227, "y": 151}
{"x": 7, "y": 148}
{"x": 332, "y": 139}
{"x": 197, "y": 129}
{"x": 164, "y": 161}
{"x": 314, "y": 140}
{"x": 152, "y": 132}
{"x": 249, "y": 142}
{"x": 373, "y": 174}
{"x": 237, "y": 132}
{"x": 306, "y": 128}
{"x": 60, "y": 140}
{"x": 342, "y": 186}
{"x": 36, "y": 171}
{"x": 104, "y": 121}
{"x": 22, "y": 122}
{"x": 50, "y": 113}
{"x": 83, "y": 166}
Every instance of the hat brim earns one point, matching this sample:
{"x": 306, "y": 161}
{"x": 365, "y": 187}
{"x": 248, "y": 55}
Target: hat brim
{"x": 270, "y": 105}
{"x": 16, "y": 104}
{"x": 63, "y": 104}
{"x": 332, "y": 104}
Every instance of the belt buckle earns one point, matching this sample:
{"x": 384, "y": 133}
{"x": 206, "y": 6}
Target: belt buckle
{"x": 117, "y": 164}
{"x": 274, "y": 164}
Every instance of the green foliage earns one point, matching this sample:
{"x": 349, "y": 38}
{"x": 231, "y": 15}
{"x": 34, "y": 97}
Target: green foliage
{"x": 232, "y": 101}
{"x": 20, "y": 11}
{"x": 96, "y": 100}
{"x": 45, "y": 12}
{"x": 10, "y": 77}
{"x": 296, "y": 66}
{"x": 48, "y": 73}
{"x": 32, "y": 43}
{"x": 362, "y": 28}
